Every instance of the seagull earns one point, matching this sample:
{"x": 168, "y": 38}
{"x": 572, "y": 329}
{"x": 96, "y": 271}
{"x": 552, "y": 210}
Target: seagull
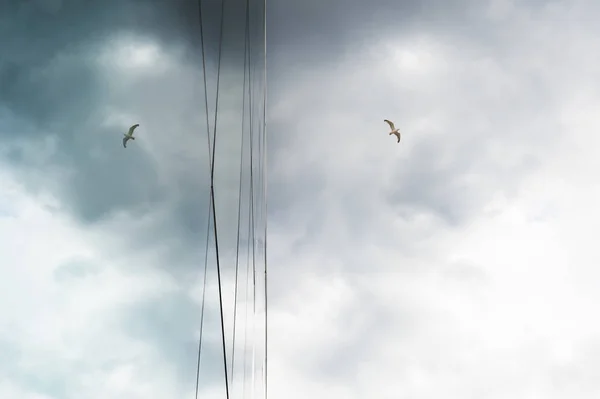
{"x": 129, "y": 135}
{"x": 394, "y": 130}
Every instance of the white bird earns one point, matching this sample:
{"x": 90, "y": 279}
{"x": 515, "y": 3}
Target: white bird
{"x": 394, "y": 130}
{"x": 129, "y": 135}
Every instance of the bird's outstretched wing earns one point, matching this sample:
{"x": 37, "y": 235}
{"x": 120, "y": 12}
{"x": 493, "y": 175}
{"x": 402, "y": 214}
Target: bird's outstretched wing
{"x": 398, "y": 135}
{"x": 132, "y": 128}
{"x": 125, "y": 142}
{"x": 390, "y": 123}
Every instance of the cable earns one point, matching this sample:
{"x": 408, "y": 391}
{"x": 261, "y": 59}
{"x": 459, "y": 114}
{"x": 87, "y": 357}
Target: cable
{"x": 246, "y": 313}
{"x": 261, "y": 207}
{"x": 212, "y": 193}
{"x": 204, "y": 77}
{"x": 203, "y": 301}
{"x": 237, "y": 251}
{"x": 212, "y": 170}
{"x": 252, "y": 217}
{"x": 202, "y": 306}
{"x": 265, "y": 195}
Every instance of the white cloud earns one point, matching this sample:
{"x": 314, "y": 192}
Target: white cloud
{"x": 375, "y": 290}
{"x": 62, "y": 297}
{"x": 497, "y": 305}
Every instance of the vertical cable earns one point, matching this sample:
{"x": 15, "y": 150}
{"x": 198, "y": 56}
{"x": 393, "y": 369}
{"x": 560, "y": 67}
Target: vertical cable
{"x": 261, "y": 176}
{"x": 212, "y": 193}
{"x": 203, "y": 301}
{"x": 237, "y": 252}
{"x": 265, "y": 194}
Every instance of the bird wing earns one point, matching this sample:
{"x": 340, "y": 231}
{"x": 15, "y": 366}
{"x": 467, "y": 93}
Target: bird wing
{"x": 132, "y": 128}
{"x": 390, "y": 123}
{"x": 125, "y": 142}
{"x": 398, "y": 135}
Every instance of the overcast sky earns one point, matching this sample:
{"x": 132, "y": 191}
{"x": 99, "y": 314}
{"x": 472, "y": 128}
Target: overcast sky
{"x": 459, "y": 263}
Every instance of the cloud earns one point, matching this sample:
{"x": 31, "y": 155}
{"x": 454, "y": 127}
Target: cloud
{"x": 458, "y": 262}
{"x": 77, "y": 121}
{"x": 119, "y": 234}
{"x": 89, "y": 308}
{"x": 66, "y": 292}
{"x": 445, "y": 265}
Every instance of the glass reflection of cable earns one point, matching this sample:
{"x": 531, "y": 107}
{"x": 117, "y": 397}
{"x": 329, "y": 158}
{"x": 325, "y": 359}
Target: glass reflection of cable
{"x": 237, "y": 252}
{"x": 203, "y": 301}
{"x": 265, "y": 175}
{"x": 212, "y": 193}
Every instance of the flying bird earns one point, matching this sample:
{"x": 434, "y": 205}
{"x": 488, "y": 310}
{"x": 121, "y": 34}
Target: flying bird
{"x": 394, "y": 130}
{"x": 129, "y": 135}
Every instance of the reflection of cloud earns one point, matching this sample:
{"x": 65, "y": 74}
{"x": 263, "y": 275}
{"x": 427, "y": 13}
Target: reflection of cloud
{"x": 415, "y": 56}
{"x": 104, "y": 244}
{"x": 464, "y": 272}
{"x": 75, "y": 269}
{"x": 430, "y": 268}
{"x": 137, "y": 57}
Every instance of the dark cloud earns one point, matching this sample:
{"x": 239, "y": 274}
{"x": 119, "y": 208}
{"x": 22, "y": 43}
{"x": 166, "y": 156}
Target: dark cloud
{"x": 42, "y": 74}
{"x": 47, "y": 80}
{"x": 316, "y": 31}
{"x": 51, "y": 85}
{"x": 55, "y": 100}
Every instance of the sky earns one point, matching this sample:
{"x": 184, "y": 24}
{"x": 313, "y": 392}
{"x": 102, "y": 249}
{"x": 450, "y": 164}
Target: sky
{"x": 458, "y": 263}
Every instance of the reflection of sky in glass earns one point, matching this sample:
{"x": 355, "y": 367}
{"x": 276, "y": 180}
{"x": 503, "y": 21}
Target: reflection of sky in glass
{"x": 460, "y": 262}
{"x": 103, "y": 247}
